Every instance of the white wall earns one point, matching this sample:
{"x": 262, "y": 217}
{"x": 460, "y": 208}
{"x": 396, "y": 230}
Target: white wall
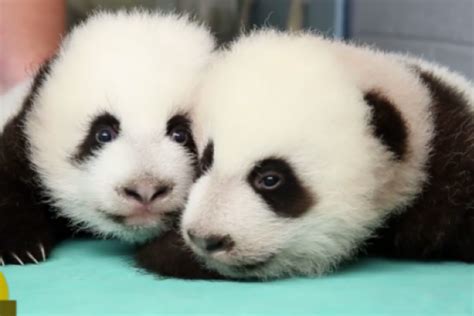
{"x": 440, "y": 30}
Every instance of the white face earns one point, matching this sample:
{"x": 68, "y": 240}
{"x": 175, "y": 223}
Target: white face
{"x": 109, "y": 131}
{"x": 294, "y": 179}
{"x": 277, "y": 214}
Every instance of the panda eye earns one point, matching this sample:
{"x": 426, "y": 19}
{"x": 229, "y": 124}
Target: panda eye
{"x": 269, "y": 181}
{"x": 179, "y": 134}
{"x": 105, "y": 134}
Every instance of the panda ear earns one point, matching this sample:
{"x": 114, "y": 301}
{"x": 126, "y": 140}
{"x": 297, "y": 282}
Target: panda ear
{"x": 387, "y": 124}
{"x": 13, "y": 131}
{"x": 41, "y": 74}
{"x": 207, "y": 158}
{"x": 14, "y": 157}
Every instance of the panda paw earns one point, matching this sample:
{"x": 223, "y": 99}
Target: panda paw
{"x": 169, "y": 256}
{"x": 36, "y": 254}
{"x": 25, "y": 237}
{"x": 23, "y": 253}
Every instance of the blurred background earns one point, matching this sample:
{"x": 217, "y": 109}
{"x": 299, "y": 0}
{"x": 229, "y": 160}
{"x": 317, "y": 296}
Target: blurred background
{"x": 439, "y": 30}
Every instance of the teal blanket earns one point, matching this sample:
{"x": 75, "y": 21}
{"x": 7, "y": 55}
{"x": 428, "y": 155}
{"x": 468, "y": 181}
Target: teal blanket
{"x": 98, "y": 278}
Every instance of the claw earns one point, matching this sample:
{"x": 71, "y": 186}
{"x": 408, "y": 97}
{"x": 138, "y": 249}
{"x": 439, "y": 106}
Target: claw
{"x": 43, "y": 253}
{"x": 32, "y": 257}
{"x": 17, "y": 258}
{"x": 2, "y": 262}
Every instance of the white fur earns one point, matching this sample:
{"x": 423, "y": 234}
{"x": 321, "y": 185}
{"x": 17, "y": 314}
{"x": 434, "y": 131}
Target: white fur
{"x": 451, "y": 78}
{"x": 141, "y": 68}
{"x": 300, "y": 97}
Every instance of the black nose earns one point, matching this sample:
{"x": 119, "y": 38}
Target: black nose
{"x": 212, "y": 243}
{"x": 145, "y": 193}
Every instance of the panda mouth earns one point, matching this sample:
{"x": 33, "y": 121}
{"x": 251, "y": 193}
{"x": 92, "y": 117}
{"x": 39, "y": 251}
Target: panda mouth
{"x": 256, "y": 265}
{"x": 245, "y": 268}
{"x": 140, "y": 219}
{"x": 134, "y": 219}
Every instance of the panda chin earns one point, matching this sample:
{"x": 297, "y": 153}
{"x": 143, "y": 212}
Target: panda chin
{"x": 245, "y": 270}
{"x": 137, "y": 228}
{"x": 139, "y": 220}
{"x": 252, "y": 270}
{"x": 135, "y": 234}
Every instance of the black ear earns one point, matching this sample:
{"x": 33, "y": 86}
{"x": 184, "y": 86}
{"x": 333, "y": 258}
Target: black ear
{"x": 207, "y": 158}
{"x": 13, "y": 142}
{"x": 387, "y": 123}
{"x": 38, "y": 81}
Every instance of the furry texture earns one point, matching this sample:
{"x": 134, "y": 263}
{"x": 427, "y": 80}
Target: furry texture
{"x": 12, "y": 101}
{"x": 303, "y": 99}
{"x": 138, "y": 68}
{"x": 440, "y": 222}
{"x": 28, "y": 230}
{"x": 174, "y": 258}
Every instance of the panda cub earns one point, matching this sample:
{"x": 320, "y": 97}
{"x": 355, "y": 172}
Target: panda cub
{"x": 102, "y": 139}
{"x": 323, "y": 151}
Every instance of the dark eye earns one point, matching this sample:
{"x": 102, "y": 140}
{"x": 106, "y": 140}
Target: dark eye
{"x": 269, "y": 181}
{"x": 105, "y": 134}
{"x": 179, "y": 134}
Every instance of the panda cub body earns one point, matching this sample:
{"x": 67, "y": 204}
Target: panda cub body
{"x": 322, "y": 151}
{"x": 101, "y": 140}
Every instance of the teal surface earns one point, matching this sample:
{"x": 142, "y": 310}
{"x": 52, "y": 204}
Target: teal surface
{"x": 97, "y": 278}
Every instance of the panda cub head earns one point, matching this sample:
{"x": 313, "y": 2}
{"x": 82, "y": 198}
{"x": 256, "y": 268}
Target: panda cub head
{"x": 108, "y": 126}
{"x": 305, "y": 150}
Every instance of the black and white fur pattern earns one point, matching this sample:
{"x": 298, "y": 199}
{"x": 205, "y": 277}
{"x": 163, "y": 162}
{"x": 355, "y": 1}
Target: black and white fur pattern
{"x": 369, "y": 151}
{"x": 102, "y": 138}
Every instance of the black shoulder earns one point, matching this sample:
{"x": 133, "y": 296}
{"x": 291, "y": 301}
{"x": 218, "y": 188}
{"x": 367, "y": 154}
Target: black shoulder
{"x": 440, "y": 222}
{"x": 14, "y": 158}
{"x": 28, "y": 231}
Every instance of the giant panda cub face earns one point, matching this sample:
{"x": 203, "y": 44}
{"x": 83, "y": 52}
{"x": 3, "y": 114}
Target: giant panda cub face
{"x": 293, "y": 171}
{"x": 109, "y": 127}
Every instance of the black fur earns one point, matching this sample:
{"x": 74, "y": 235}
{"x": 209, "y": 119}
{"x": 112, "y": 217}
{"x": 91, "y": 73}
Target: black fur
{"x": 440, "y": 223}
{"x": 184, "y": 122}
{"x": 207, "y": 157}
{"x": 291, "y": 199}
{"x": 90, "y": 145}
{"x": 25, "y": 218}
{"x": 388, "y": 125}
{"x": 168, "y": 255}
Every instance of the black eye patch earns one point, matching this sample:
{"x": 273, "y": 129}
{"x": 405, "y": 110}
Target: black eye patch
{"x": 287, "y": 197}
{"x": 178, "y": 128}
{"x": 92, "y": 142}
{"x": 207, "y": 158}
